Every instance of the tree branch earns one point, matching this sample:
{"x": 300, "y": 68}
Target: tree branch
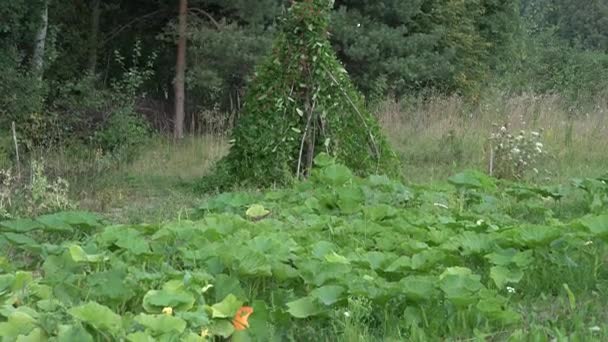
{"x": 209, "y": 16}
{"x": 117, "y": 31}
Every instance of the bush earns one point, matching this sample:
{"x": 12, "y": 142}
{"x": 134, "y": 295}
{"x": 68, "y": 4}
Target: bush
{"x": 515, "y": 155}
{"x": 123, "y": 134}
{"x": 33, "y": 195}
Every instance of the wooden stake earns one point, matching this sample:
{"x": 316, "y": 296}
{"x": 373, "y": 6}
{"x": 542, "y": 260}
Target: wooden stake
{"x": 16, "y": 149}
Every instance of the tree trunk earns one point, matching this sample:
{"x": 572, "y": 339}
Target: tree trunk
{"x": 40, "y": 42}
{"x": 180, "y": 72}
{"x": 93, "y": 36}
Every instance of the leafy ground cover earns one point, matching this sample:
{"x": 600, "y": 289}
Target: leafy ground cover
{"x": 334, "y": 258}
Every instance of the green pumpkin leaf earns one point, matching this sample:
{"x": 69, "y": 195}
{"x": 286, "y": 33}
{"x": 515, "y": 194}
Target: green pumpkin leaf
{"x": 328, "y": 294}
{"x": 304, "y": 307}
{"x": 79, "y": 255}
{"x": 20, "y": 226}
{"x": 71, "y": 333}
{"x": 18, "y": 323}
{"x": 162, "y": 324}
{"x": 140, "y": 336}
{"x": 155, "y": 300}
{"x": 99, "y": 316}
{"x": 418, "y": 288}
{"x": 227, "y": 308}
{"x": 503, "y": 275}
{"x": 222, "y": 327}
{"x": 256, "y": 212}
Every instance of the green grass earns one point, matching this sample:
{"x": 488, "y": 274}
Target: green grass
{"x": 155, "y": 187}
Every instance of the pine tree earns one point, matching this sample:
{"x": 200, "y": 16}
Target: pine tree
{"x": 301, "y": 102}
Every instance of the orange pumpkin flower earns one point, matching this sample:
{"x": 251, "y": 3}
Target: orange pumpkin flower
{"x": 240, "y": 318}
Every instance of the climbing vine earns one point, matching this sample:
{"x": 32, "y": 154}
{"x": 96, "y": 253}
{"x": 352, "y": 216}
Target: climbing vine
{"x": 300, "y": 103}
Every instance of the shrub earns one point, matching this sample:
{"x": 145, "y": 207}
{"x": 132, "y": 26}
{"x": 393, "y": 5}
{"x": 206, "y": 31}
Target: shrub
{"x": 34, "y": 195}
{"x": 515, "y": 155}
{"x": 123, "y": 134}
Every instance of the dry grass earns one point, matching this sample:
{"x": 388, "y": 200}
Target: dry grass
{"x": 187, "y": 160}
{"x": 441, "y": 134}
{"x": 435, "y": 138}
{"x": 154, "y": 187}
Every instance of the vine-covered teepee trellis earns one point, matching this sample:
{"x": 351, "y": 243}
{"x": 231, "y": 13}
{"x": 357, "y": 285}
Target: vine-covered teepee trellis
{"x": 302, "y": 102}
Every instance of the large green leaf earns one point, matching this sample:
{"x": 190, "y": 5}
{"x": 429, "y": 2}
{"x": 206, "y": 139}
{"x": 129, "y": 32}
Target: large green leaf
{"x": 418, "y": 288}
{"x": 505, "y": 257}
{"x": 257, "y": 211}
{"x": 495, "y": 307}
{"x": 71, "y": 333}
{"x": 155, "y": 300}
{"x": 221, "y": 328}
{"x": 65, "y": 221}
{"x": 460, "y": 285}
{"x": 79, "y": 255}
{"x": 227, "y": 308}
{"x": 596, "y": 225}
{"x": 140, "y": 336}
{"x": 471, "y": 179}
{"x": 161, "y": 324}
{"x": 401, "y": 265}
{"x": 336, "y": 175}
{"x": 20, "y": 225}
{"x": 350, "y": 199}
{"x": 20, "y": 239}
{"x": 18, "y": 323}
{"x": 536, "y": 235}
{"x": 328, "y": 294}
{"x": 99, "y": 316}
{"x": 503, "y": 275}
{"x": 304, "y": 307}
{"x": 36, "y": 335}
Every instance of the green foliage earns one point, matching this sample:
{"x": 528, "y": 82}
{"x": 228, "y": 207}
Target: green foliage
{"x": 336, "y": 251}
{"x": 403, "y": 46}
{"x": 34, "y": 195}
{"x": 123, "y": 134}
{"x": 301, "y": 102}
{"x": 559, "y": 49}
{"x": 580, "y": 23}
{"x": 513, "y": 156}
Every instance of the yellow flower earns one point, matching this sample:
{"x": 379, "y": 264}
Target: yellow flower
{"x": 205, "y": 333}
{"x": 168, "y": 311}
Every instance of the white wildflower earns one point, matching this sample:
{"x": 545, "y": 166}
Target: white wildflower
{"x": 503, "y": 129}
{"x": 510, "y": 289}
{"x": 588, "y": 243}
{"x": 595, "y": 328}
{"x": 346, "y": 314}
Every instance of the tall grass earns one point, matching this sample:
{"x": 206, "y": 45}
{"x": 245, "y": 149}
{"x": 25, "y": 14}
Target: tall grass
{"x": 437, "y": 135}
{"x": 434, "y": 136}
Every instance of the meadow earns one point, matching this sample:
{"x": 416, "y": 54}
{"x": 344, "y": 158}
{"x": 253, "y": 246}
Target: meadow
{"x": 445, "y": 253}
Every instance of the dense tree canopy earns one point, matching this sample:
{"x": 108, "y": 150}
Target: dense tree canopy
{"x": 390, "y": 47}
